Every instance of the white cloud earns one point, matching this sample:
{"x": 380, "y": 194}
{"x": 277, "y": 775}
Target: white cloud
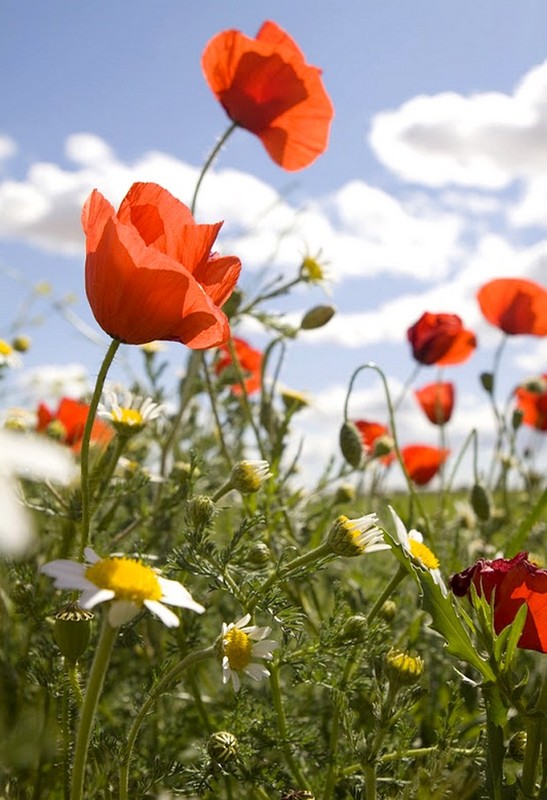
{"x": 8, "y": 148}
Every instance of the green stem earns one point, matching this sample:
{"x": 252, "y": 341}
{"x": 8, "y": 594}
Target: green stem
{"x": 186, "y": 392}
{"x": 282, "y": 727}
{"x": 89, "y": 707}
{"x": 213, "y": 399}
{"x": 86, "y": 438}
{"x": 388, "y": 591}
{"x": 161, "y": 686}
{"x": 535, "y": 735}
{"x": 210, "y": 158}
{"x": 297, "y": 563}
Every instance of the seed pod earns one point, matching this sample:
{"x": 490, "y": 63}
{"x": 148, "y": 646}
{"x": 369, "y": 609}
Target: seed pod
{"x": 317, "y": 317}
{"x": 480, "y": 502}
{"x": 351, "y": 444}
{"x": 72, "y": 631}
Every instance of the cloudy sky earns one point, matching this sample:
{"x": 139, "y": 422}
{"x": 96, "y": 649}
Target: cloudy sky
{"x": 435, "y": 180}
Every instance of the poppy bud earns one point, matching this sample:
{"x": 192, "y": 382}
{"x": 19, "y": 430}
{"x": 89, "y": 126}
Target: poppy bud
{"x": 487, "y": 381}
{"x": 72, "y": 631}
{"x": 222, "y": 747}
{"x": 351, "y": 444}
{"x": 516, "y": 418}
{"x": 317, "y": 317}
{"x": 480, "y": 502}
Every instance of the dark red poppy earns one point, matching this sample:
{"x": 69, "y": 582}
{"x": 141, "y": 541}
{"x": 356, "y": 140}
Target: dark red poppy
{"x": 516, "y": 581}
{"x": 422, "y": 462}
{"x": 437, "y": 401}
{"x": 250, "y": 363}
{"x": 265, "y": 86}
{"x": 376, "y": 440}
{"x": 515, "y": 305}
{"x": 532, "y": 402}
{"x": 149, "y": 271}
{"x": 440, "y": 339}
{"x": 69, "y": 422}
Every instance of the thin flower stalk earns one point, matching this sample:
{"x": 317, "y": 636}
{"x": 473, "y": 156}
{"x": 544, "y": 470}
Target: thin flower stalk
{"x": 93, "y": 406}
{"x": 282, "y": 727}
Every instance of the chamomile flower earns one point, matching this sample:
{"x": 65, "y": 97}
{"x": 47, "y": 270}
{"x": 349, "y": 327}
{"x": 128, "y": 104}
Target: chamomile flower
{"x": 239, "y": 645}
{"x": 127, "y": 582}
{"x": 353, "y": 537}
{"x": 127, "y": 412}
{"x": 412, "y": 544}
{"x": 8, "y": 356}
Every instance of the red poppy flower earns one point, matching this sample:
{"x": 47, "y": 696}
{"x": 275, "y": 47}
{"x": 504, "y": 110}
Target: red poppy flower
{"x": 376, "y": 440}
{"x": 265, "y": 86}
{"x": 149, "y": 272}
{"x": 70, "y": 417}
{"x": 532, "y": 401}
{"x": 517, "y": 581}
{"x": 440, "y": 339}
{"x": 250, "y": 362}
{"x": 423, "y": 462}
{"x": 437, "y": 401}
{"x": 515, "y": 305}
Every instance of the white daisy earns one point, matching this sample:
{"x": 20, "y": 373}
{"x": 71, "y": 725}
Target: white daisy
{"x": 240, "y": 644}
{"x": 26, "y": 456}
{"x": 412, "y": 543}
{"x": 353, "y": 537}
{"x": 127, "y": 582}
{"x": 127, "y": 412}
{"x": 8, "y": 356}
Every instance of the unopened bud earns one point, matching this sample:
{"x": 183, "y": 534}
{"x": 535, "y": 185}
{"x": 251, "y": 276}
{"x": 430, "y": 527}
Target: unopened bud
{"x": 293, "y": 401}
{"x": 345, "y": 493}
{"x": 480, "y": 502}
{"x": 388, "y": 610}
{"x": 56, "y": 430}
{"x": 516, "y": 418}
{"x": 403, "y": 669}
{"x": 351, "y": 444}
{"x": 487, "y": 381}
{"x": 259, "y": 554}
{"x": 354, "y": 629}
{"x": 200, "y": 511}
{"x": 222, "y": 747}
{"x": 317, "y": 317}
{"x": 383, "y": 446}
{"x": 72, "y": 631}
{"x": 517, "y": 746}
{"x": 21, "y": 344}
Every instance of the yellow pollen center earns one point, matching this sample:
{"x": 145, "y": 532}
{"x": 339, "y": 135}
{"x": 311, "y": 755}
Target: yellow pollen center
{"x": 313, "y": 269}
{"x": 127, "y": 416}
{"x": 238, "y": 648}
{"x": 5, "y": 348}
{"x": 423, "y": 554}
{"x": 128, "y": 579}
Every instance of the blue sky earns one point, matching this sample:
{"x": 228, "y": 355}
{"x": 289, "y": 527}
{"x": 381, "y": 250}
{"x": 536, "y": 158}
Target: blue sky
{"x": 435, "y": 179}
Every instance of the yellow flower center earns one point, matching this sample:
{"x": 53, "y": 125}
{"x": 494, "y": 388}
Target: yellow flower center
{"x": 128, "y": 579}
{"x": 127, "y": 416}
{"x": 312, "y": 269}
{"x": 5, "y": 348}
{"x": 238, "y": 648}
{"x": 423, "y": 554}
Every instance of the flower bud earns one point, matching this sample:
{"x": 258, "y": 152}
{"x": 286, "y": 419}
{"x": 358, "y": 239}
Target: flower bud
{"x": 21, "y": 344}
{"x": 293, "y": 401}
{"x": 248, "y": 476}
{"x": 354, "y": 628}
{"x": 516, "y": 418}
{"x": 487, "y": 381}
{"x": 222, "y": 747}
{"x": 353, "y": 537}
{"x": 388, "y": 610}
{"x": 259, "y": 554}
{"x": 317, "y": 317}
{"x": 517, "y": 746}
{"x": 480, "y": 502}
{"x": 345, "y": 493}
{"x": 200, "y": 511}
{"x": 403, "y": 669}
{"x": 351, "y": 444}
{"x": 72, "y": 630}
{"x": 56, "y": 430}
{"x": 383, "y": 446}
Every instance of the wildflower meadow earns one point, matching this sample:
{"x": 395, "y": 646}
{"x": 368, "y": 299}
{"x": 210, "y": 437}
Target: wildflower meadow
{"x": 183, "y": 613}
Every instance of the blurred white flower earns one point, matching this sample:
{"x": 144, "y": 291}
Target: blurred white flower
{"x": 35, "y": 459}
{"x": 52, "y": 382}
